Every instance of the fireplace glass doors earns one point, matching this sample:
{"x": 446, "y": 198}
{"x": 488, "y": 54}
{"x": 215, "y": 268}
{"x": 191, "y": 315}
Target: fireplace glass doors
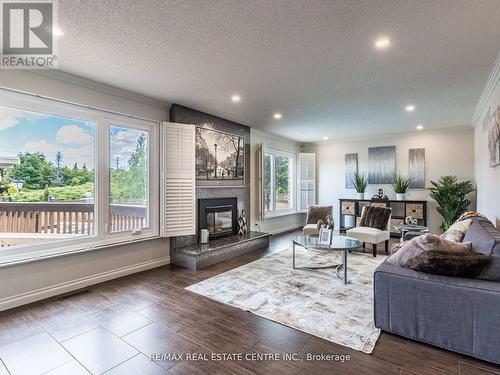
{"x": 219, "y": 222}
{"x": 219, "y": 216}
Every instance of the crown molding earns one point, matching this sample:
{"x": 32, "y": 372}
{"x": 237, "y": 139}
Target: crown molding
{"x": 488, "y": 90}
{"x": 393, "y": 134}
{"x": 101, "y": 87}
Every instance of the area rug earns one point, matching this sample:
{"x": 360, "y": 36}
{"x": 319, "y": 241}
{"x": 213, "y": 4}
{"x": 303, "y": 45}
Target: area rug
{"x": 313, "y": 302}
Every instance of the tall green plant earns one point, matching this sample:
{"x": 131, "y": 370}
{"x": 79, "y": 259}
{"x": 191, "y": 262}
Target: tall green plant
{"x": 360, "y": 182}
{"x": 451, "y": 197}
{"x": 401, "y": 184}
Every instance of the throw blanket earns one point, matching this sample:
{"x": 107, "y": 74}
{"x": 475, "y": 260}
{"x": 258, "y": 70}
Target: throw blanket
{"x": 375, "y": 217}
{"x": 428, "y": 242}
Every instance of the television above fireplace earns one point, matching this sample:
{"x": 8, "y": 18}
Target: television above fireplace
{"x": 219, "y": 216}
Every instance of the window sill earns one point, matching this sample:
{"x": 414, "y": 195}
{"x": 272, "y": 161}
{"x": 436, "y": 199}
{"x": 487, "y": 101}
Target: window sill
{"x": 36, "y": 256}
{"x": 277, "y": 214}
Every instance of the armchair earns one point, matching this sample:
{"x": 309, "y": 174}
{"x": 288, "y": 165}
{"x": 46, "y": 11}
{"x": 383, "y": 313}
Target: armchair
{"x": 316, "y": 214}
{"x": 375, "y": 227}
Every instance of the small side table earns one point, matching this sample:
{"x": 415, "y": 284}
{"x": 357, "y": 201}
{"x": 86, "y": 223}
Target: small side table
{"x": 403, "y": 229}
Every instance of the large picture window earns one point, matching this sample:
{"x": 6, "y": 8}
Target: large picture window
{"x": 55, "y": 160}
{"x": 279, "y": 183}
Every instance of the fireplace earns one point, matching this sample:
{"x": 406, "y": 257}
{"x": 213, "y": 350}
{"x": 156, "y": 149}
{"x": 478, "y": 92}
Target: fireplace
{"x": 219, "y": 216}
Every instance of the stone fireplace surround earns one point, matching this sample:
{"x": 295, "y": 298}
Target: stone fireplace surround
{"x": 185, "y": 250}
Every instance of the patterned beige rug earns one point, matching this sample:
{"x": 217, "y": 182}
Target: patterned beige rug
{"x": 312, "y": 302}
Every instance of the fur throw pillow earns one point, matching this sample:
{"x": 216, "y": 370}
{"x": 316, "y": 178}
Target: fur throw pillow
{"x": 448, "y": 263}
{"x": 375, "y": 217}
{"x": 426, "y": 242}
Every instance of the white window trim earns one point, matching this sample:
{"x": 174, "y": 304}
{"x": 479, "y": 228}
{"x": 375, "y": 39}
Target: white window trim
{"x": 287, "y": 211}
{"x": 102, "y": 239}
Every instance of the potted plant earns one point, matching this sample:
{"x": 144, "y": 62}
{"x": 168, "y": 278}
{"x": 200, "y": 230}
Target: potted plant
{"x": 360, "y": 182}
{"x": 401, "y": 185}
{"x": 451, "y": 197}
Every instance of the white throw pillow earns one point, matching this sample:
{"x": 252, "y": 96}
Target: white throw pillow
{"x": 456, "y": 232}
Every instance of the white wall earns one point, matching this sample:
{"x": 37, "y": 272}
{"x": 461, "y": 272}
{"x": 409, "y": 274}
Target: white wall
{"x": 487, "y": 178}
{"x": 277, "y": 224}
{"x": 32, "y": 281}
{"x": 447, "y": 152}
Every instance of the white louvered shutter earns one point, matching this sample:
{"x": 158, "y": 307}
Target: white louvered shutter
{"x": 179, "y": 190}
{"x": 307, "y": 180}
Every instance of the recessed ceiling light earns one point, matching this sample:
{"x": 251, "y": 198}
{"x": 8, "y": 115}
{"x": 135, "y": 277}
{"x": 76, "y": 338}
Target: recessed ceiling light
{"x": 325, "y": 138}
{"x": 420, "y": 127}
{"x": 57, "y": 31}
{"x": 410, "y": 108}
{"x": 277, "y": 116}
{"x": 235, "y": 98}
{"x": 382, "y": 43}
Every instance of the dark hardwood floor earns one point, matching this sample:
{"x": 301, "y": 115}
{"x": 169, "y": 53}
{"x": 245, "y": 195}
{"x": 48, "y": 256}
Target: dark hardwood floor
{"x": 115, "y": 327}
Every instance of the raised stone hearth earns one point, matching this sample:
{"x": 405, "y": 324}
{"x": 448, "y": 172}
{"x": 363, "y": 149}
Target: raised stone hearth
{"x": 200, "y": 256}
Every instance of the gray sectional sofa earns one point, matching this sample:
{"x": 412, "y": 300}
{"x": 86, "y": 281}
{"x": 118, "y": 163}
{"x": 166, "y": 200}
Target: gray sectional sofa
{"x": 458, "y": 314}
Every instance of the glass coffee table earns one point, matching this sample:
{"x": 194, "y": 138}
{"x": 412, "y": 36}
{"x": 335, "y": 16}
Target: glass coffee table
{"x": 338, "y": 243}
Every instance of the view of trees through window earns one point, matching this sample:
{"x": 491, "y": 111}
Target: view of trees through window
{"x": 129, "y": 177}
{"x": 47, "y": 177}
{"x": 278, "y": 185}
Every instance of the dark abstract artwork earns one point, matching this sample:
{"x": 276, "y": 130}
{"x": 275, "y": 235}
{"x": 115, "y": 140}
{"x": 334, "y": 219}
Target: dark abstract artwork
{"x": 220, "y": 158}
{"x": 416, "y": 167}
{"x": 351, "y": 167}
{"x": 381, "y": 165}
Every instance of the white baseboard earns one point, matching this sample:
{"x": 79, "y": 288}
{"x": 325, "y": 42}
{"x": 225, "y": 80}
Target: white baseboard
{"x": 68, "y": 286}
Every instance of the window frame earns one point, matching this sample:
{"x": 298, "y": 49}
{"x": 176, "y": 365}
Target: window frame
{"x": 275, "y": 153}
{"x": 101, "y": 237}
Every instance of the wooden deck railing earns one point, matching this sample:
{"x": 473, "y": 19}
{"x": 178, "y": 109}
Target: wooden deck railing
{"x": 65, "y": 218}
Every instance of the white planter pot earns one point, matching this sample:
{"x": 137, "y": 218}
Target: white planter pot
{"x": 400, "y": 197}
{"x": 360, "y": 195}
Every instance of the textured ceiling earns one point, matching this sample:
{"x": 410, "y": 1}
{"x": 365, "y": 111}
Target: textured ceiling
{"x": 313, "y": 61}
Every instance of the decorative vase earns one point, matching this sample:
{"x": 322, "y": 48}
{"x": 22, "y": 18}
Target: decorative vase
{"x": 400, "y": 197}
{"x": 242, "y": 224}
{"x": 360, "y": 195}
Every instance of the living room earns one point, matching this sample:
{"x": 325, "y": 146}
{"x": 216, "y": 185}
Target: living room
{"x": 250, "y": 187}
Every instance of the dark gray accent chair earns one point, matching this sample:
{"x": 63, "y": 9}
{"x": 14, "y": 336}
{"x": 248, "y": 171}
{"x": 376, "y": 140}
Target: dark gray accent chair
{"x": 458, "y": 314}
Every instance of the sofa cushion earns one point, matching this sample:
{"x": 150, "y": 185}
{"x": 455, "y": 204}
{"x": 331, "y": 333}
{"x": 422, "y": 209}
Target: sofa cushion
{"x": 456, "y": 232}
{"x": 485, "y": 239}
{"x": 438, "y": 262}
{"x": 427, "y": 242}
{"x": 481, "y": 240}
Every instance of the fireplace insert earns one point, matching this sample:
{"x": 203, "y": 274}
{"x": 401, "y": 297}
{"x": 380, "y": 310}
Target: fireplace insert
{"x": 219, "y": 216}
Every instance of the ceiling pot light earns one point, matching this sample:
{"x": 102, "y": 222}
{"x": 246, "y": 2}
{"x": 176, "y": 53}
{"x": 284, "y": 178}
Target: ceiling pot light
{"x": 235, "y": 98}
{"x": 277, "y": 116}
{"x": 57, "y": 31}
{"x": 410, "y": 108}
{"x": 382, "y": 43}
{"x": 325, "y": 138}
{"x": 420, "y": 127}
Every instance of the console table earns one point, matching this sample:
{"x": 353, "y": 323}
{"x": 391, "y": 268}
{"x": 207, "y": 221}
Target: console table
{"x": 350, "y": 212}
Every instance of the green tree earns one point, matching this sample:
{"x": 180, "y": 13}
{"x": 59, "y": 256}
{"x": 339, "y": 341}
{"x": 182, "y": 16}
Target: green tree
{"x": 130, "y": 185}
{"x": 138, "y": 171}
{"x": 34, "y": 170}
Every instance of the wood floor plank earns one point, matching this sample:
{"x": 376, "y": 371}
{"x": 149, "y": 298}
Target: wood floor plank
{"x": 186, "y": 322}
